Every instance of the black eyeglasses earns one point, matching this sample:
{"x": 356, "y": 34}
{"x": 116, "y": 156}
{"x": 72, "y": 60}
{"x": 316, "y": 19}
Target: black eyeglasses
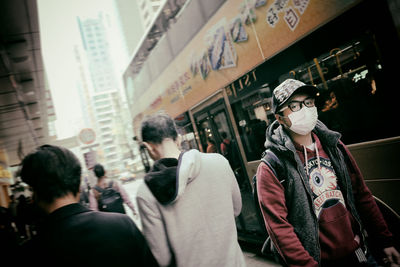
{"x": 297, "y": 105}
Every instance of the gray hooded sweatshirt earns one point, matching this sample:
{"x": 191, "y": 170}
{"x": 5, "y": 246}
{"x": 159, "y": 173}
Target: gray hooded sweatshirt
{"x": 188, "y": 208}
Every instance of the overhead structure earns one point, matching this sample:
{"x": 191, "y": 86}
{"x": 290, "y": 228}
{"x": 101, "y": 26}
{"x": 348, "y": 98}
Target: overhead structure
{"x": 162, "y": 22}
{"x": 23, "y": 114}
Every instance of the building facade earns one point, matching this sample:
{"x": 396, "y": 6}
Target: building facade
{"x": 104, "y": 103}
{"x": 148, "y": 10}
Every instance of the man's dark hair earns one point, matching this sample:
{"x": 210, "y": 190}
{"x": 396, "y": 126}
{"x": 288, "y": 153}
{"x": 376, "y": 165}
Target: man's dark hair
{"x": 224, "y": 135}
{"x": 98, "y": 170}
{"x": 158, "y": 127}
{"x": 52, "y": 172}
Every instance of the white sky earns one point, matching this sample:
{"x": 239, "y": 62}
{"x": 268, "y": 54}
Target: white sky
{"x": 59, "y": 32}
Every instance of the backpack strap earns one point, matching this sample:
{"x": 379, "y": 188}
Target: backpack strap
{"x": 271, "y": 160}
{"x": 98, "y": 189}
{"x": 274, "y": 164}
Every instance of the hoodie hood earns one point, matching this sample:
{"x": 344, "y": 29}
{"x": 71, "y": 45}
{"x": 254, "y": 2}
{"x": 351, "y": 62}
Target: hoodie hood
{"x": 277, "y": 138}
{"x": 169, "y": 177}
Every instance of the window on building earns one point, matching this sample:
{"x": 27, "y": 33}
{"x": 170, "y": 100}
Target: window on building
{"x": 103, "y": 103}
{"x": 105, "y": 109}
{"x": 108, "y": 143}
{"x": 253, "y": 115}
{"x": 106, "y": 136}
{"x": 104, "y": 116}
{"x": 110, "y": 149}
{"x": 105, "y": 123}
{"x": 185, "y": 130}
{"x": 112, "y": 156}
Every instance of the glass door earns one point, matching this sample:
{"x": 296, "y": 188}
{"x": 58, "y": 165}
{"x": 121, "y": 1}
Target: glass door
{"x": 216, "y": 135}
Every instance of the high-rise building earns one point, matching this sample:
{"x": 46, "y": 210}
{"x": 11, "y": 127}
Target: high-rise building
{"x": 104, "y": 101}
{"x": 51, "y": 114}
{"x": 94, "y": 38}
{"x": 85, "y": 88}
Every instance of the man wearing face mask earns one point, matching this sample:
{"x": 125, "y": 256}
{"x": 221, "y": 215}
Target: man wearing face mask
{"x": 315, "y": 204}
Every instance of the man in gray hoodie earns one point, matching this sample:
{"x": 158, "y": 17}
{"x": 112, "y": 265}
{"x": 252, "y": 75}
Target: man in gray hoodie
{"x": 188, "y": 202}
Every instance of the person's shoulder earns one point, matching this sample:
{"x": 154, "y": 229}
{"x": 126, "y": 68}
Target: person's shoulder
{"x": 142, "y": 189}
{"x": 144, "y": 192}
{"x": 214, "y": 160}
{"x": 209, "y": 160}
{"x": 109, "y": 181}
{"x": 76, "y": 216}
{"x": 263, "y": 166}
{"x": 115, "y": 183}
{"x": 211, "y": 156}
{"x": 109, "y": 218}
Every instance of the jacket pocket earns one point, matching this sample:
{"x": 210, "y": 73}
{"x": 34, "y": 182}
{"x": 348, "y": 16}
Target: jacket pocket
{"x": 336, "y": 233}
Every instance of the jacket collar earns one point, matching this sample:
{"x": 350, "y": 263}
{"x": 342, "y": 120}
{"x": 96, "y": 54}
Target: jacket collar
{"x": 278, "y": 139}
{"x": 327, "y": 136}
{"x": 169, "y": 177}
{"x": 66, "y": 211}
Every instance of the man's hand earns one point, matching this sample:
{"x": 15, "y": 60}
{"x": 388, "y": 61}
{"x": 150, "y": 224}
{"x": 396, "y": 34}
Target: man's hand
{"x": 392, "y": 258}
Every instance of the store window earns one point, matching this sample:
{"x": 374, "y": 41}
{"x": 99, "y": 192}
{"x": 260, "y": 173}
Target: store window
{"x": 185, "y": 130}
{"x": 352, "y": 87}
{"x": 188, "y": 140}
{"x": 253, "y": 115}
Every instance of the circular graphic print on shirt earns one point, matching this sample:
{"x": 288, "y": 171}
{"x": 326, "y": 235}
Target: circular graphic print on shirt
{"x": 323, "y": 183}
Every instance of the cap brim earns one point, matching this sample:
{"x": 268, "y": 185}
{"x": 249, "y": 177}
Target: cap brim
{"x": 308, "y": 89}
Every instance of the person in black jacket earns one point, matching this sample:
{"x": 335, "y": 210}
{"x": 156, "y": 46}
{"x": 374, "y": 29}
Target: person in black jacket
{"x": 71, "y": 234}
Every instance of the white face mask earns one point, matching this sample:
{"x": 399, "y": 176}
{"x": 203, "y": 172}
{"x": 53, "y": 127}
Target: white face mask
{"x": 304, "y": 120}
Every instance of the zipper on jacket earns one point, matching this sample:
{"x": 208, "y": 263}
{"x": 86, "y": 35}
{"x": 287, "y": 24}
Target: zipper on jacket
{"x": 344, "y": 170}
{"x": 301, "y": 172}
{"x": 313, "y": 209}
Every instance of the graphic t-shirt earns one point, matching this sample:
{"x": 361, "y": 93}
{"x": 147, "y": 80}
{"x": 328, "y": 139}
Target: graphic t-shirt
{"x": 323, "y": 183}
{"x": 336, "y": 224}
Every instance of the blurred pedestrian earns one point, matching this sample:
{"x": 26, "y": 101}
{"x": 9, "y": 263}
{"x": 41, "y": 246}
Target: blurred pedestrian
{"x": 22, "y": 219}
{"x": 188, "y": 202}
{"x": 71, "y": 234}
{"x": 8, "y": 237}
{"x": 225, "y": 145}
{"x": 84, "y": 191}
{"x": 12, "y": 206}
{"x": 211, "y": 148}
{"x": 102, "y": 183}
{"x": 313, "y": 197}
